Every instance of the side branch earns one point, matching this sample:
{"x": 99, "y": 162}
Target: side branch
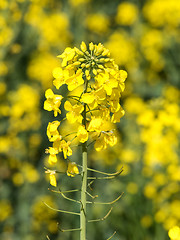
{"x": 109, "y": 177}
{"x": 104, "y": 173}
{"x": 68, "y": 230}
{"x": 59, "y": 210}
{"x": 107, "y": 203}
{"x": 93, "y": 197}
{"x": 111, "y": 236}
{"x": 67, "y": 191}
{"x": 101, "y": 219}
{"x": 64, "y": 196}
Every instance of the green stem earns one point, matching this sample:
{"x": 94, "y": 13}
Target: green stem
{"x": 83, "y": 220}
{"x": 83, "y": 193}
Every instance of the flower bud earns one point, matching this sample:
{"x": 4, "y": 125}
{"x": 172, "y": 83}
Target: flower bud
{"x": 76, "y": 63}
{"x": 83, "y": 47}
{"x": 79, "y": 52}
{"x": 83, "y": 65}
{"x": 81, "y": 59}
{"x": 91, "y": 46}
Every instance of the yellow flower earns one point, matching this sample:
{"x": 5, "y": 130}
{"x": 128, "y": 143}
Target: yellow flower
{"x": 72, "y": 169}
{"x": 52, "y": 177}
{"x": 98, "y": 23}
{"x": 174, "y": 233}
{"x": 107, "y": 81}
{"x": 88, "y": 98}
{"x": 75, "y": 80}
{"x": 94, "y": 97}
{"x": 74, "y": 113}
{"x": 52, "y": 131}
{"x": 95, "y": 125}
{"x": 105, "y": 139}
{"x": 110, "y": 138}
{"x": 127, "y": 13}
{"x": 60, "y": 76}
{"x": 100, "y": 144}
{"x": 67, "y": 55}
{"x": 52, "y": 157}
{"x": 53, "y": 102}
{"x": 117, "y": 115}
{"x": 64, "y": 147}
{"x": 82, "y": 134}
{"x": 102, "y": 83}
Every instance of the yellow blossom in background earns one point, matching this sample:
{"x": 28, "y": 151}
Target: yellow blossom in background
{"x": 48, "y": 61}
{"x": 98, "y": 23}
{"x": 166, "y": 14}
{"x": 3, "y": 69}
{"x": 122, "y": 49}
{"x": 2, "y": 88}
{"x": 174, "y": 233}
{"x": 6, "y": 210}
{"x": 146, "y": 221}
{"x": 127, "y": 13}
{"x": 78, "y": 3}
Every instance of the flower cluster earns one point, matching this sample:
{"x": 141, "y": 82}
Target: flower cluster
{"x": 95, "y": 108}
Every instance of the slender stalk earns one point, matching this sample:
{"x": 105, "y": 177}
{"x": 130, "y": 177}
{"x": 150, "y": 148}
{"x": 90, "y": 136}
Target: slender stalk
{"x": 83, "y": 193}
{"x": 83, "y": 220}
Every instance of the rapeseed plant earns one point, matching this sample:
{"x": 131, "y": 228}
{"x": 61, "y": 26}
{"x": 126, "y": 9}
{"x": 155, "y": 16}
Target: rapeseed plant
{"x": 93, "y": 112}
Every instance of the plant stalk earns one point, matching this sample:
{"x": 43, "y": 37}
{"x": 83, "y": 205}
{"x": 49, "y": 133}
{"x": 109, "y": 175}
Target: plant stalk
{"x": 83, "y": 193}
{"x": 83, "y": 220}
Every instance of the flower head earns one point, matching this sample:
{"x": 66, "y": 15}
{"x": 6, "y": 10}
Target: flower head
{"x": 52, "y": 177}
{"x": 53, "y": 102}
{"x": 72, "y": 169}
{"x": 52, "y": 131}
{"x": 82, "y": 134}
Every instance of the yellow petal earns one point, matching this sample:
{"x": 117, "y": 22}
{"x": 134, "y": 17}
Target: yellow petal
{"x": 48, "y": 106}
{"x": 52, "y": 179}
{"x": 123, "y": 75}
{"x": 100, "y": 144}
{"x": 82, "y": 134}
{"x": 67, "y": 106}
{"x": 57, "y": 72}
{"x": 88, "y": 98}
{"x": 49, "y": 93}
